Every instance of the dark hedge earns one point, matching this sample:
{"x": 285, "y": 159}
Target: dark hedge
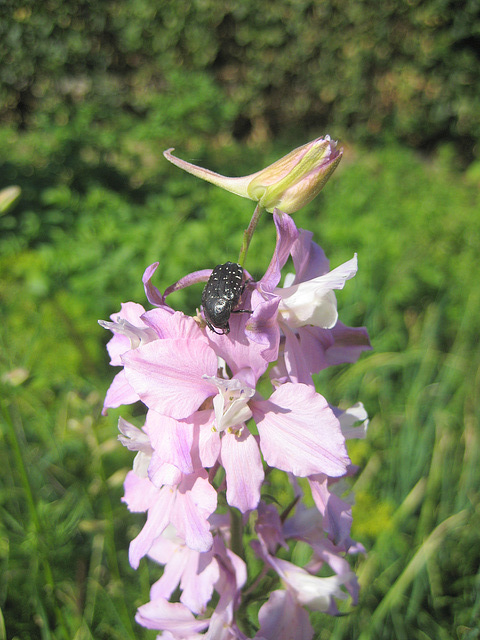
{"x": 359, "y": 68}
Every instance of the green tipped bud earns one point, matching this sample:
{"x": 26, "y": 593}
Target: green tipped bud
{"x": 288, "y": 184}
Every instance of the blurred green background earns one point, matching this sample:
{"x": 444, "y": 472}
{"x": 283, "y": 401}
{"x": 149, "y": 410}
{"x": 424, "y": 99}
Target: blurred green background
{"x": 90, "y": 96}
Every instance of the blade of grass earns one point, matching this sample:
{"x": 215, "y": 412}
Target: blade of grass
{"x": 416, "y": 564}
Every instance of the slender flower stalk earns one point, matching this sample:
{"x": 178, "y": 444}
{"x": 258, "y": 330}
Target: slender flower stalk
{"x": 248, "y": 234}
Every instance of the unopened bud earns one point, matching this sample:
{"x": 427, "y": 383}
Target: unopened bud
{"x": 288, "y": 184}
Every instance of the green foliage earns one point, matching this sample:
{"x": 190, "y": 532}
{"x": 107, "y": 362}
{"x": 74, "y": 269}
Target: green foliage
{"x": 100, "y": 204}
{"x": 408, "y": 68}
{"x": 93, "y": 93}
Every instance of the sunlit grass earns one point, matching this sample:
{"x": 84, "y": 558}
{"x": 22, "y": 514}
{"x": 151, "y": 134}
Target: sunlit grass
{"x": 69, "y": 255}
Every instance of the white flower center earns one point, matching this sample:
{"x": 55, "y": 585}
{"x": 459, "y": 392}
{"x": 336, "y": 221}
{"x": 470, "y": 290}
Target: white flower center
{"x": 231, "y": 402}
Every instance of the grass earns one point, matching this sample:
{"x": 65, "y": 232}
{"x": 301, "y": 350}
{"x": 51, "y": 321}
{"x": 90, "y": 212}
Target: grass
{"x": 76, "y": 245}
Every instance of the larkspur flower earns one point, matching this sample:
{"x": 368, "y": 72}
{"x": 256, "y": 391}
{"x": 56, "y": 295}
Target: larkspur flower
{"x": 288, "y": 184}
{"x": 129, "y": 332}
{"x": 208, "y": 431}
{"x": 199, "y": 575}
{"x": 176, "y": 378}
{"x": 299, "y": 322}
{"x": 185, "y": 502}
{"x": 196, "y": 573}
{"x": 282, "y": 618}
{"x": 284, "y": 615}
{"x": 307, "y": 326}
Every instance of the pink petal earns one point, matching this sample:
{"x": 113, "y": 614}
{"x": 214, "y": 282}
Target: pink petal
{"x": 198, "y": 580}
{"x": 244, "y": 470}
{"x": 262, "y": 327}
{"x": 196, "y": 500}
{"x": 157, "y": 520}
{"x": 166, "y": 546}
{"x": 169, "y": 616}
{"x": 140, "y": 493}
{"x": 153, "y": 294}
{"x": 296, "y": 358}
{"x": 120, "y": 392}
{"x": 348, "y": 344}
{"x": 337, "y": 513}
{"x": 281, "y": 618}
{"x": 309, "y": 259}
{"x": 208, "y": 442}
{"x": 269, "y": 527}
{"x": 286, "y": 235}
{"x": 172, "y": 573}
{"x": 171, "y": 439}
{"x": 191, "y": 278}
{"x": 161, "y": 473}
{"x": 299, "y": 432}
{"x": 167, "y": 375}
{"x": 172, "y": 324}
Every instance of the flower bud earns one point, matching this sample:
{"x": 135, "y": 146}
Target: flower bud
{"x": 288, "y": 184}
{"x": 8, "y": 197}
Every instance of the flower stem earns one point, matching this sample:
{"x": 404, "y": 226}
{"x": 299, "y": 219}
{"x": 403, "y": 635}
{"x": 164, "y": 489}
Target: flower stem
{"x": 236, "y": 528}
{"x": 248, "y": 233}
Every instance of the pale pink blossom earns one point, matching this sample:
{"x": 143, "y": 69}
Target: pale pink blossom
{"x": 307, "y": 333}
{"x": 186, "y": 505}
{"x": 129, "y": 331}
{"x": 175, "y": 378}
{"x": 198, "y": 574}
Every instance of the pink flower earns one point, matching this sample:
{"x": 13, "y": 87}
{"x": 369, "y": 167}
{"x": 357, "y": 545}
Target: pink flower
{"x": 302, "y": 588}
{"x": 297, "y": 431}
{"x": 284, "y": 615}
{"x": 177, "y": 377}
{"x": 298, "y": 322}
{"x": 198, "y": 575}
{"x": 129, "y": 332}
{"x": 195, "y": 572}
{"x": 208, "y": 431}
{"x": 282, "y": 618}
{"x": 186, "y": 504}
{"x": 306, "y": 327}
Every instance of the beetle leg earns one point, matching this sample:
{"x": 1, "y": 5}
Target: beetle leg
{"x": 219, "y": 333}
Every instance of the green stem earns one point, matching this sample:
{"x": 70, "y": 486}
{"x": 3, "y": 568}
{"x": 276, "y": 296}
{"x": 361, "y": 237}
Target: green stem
{"x": 248, "y": 233}
{"x": 236, "y": 533}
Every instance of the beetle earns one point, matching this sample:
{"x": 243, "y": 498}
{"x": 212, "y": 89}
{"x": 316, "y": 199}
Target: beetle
{"x": 221, "y": 295}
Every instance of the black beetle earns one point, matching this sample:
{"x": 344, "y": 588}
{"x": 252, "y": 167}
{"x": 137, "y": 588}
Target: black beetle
{"x": 221, "y": 295}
